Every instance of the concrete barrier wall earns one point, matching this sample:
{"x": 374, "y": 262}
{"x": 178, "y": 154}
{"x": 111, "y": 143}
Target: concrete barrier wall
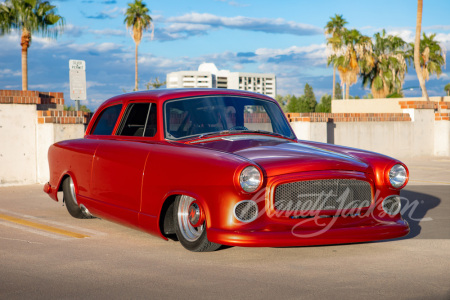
{"x": 24, "y": 144}
{"x": 423, "y": 137}
{"x": 442, "y": 138}
{"x": 17, "y": 144}
{"x": 30, "y": 121}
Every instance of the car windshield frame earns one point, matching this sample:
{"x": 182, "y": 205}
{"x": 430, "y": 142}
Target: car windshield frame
{"x": 280, "y": 126}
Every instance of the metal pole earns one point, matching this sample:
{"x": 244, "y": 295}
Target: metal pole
{"x": 77, "y": 105}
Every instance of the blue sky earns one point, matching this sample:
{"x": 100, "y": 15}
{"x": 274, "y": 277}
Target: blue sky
{"x": 281, "y": 37}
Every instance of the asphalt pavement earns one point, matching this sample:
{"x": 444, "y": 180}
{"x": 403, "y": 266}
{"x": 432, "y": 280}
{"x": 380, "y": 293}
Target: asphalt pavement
{"x": 46, "y": 254}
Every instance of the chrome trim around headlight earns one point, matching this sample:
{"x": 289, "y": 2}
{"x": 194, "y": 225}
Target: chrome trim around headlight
{"x": 398, "y": 176}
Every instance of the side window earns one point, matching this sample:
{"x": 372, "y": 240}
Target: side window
{"x": 107, "y": 120}
{"x": 139, "y": 120}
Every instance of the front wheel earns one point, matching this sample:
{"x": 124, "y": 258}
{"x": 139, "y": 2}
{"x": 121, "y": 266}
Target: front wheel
{"x": 192, "y": 238}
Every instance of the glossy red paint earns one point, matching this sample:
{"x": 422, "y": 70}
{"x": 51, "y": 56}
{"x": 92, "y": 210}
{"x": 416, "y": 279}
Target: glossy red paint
{"x": 128, "y": 179}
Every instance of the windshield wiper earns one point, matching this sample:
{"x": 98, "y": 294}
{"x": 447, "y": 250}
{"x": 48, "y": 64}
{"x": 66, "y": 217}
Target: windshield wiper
{"x": 240, "y": 131}
{"x": 264, "y": 132}
{"x": 214, "y": 133}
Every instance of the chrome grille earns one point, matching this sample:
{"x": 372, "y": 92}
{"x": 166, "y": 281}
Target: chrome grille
{"x": 327, "y": 194}
{"x": 246, "y": 211}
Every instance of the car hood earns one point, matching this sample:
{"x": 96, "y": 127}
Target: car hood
{"x": 277, "y": 156}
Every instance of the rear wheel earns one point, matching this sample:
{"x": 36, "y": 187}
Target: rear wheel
{"x": 192, "y": 238}
{"x": 70, "y": 198}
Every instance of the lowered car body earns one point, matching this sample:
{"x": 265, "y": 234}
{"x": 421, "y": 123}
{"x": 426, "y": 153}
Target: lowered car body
{"x": 221, "y": 167}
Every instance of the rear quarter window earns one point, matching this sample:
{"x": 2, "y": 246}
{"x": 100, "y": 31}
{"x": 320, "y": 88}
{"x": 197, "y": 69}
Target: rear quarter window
{"x": 107, "y": 120}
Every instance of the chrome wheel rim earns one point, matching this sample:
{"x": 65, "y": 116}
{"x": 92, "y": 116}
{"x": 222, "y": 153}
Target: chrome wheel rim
{"x": 189, "y": 232}
{"x": 72, "y": 190}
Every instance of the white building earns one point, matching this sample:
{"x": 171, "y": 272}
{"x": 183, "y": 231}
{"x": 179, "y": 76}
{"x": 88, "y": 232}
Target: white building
{"x": 208, "y": 76}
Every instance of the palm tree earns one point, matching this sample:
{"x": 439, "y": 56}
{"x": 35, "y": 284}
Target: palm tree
{"x": 389, "y": 66}
{"x": 447, "y": 89}
{"x": 416, "y": 49}
{"x": 138, "y": 20}
{"x": 155, "y": 84}
{"x": 432, "y": 56}
{"x": 335, "y": 28}
{"x": 353, "y": 57}
{"x": 29, "y": 17}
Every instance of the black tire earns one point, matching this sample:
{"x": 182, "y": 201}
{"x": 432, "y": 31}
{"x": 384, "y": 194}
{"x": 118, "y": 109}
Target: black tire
{"x": 193, "y": 239}
{"x": 71, "y": 201}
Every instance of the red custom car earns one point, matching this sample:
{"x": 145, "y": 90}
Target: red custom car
{"x": 217, "y": 167}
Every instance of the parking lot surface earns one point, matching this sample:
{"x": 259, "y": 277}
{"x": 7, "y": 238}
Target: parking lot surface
{"x": 46, "y": 254}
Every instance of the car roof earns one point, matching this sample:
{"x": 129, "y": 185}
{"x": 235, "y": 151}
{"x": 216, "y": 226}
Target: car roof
{"x": 162, "y": 95}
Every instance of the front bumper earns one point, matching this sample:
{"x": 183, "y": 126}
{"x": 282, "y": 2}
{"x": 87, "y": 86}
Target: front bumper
{"x": 287, "y": 236}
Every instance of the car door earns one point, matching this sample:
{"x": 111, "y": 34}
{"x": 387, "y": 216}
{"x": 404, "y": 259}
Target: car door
{"x": 119, "y": 164}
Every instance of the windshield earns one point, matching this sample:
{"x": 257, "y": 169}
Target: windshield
{"x": 214, "y": 114}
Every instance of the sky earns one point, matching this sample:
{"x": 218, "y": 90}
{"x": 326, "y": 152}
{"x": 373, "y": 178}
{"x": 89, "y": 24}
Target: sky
{"x": 281, "y": 37}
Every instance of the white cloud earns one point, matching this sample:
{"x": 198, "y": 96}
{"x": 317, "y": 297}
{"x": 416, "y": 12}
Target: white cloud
{"x": 108, "y": 13}
{"x": 9, "y": 72}
{"x": 102, "y": 47}
{"x": 11, "y": 41}
{"x": 90, "y": 84}
{"x": 406, "y": 35}
{"x": 113, "y": 32}
{"x": 234, "y": 3}
{"x": 267, "y": 25}
{"x": 437, "y": 27}
{"x": 444, "y": 39}
{"x": 265, "y": 52}
{"x": 72, "y": 30}
{"x": 45, "y": 42}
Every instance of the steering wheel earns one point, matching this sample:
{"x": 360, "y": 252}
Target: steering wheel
{"x": 238, "y": 128}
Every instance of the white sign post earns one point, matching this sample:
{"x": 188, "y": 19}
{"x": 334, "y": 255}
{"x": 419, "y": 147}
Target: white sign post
{"x": 77, "y": 76}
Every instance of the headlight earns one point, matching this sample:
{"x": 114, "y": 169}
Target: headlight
{"x": 250, "y": 179}
{"x": 398, "y": 176}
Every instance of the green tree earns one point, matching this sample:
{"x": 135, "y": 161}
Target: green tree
{"x": 293, "y": 104}
{"x": 338, "y": 90}
{"x": 283, "y": 101}
{"x": 82, "y": 108}
{"x": 396, "y": 94}
{"x": 432, "y": 57}
{"x": 304, "y": 105}
{"x": 325, "y": 104}
{"x": 29, "y": 17}
{"x": 354, "y": 56}
{"x": 387, "y": 74}
{"x": 334, "y": 30}
{"x": 309, "y": 98}
{"x": 137, "y": 19}
{"x": 447, "y": 89}
{"x": 155, "y": 84}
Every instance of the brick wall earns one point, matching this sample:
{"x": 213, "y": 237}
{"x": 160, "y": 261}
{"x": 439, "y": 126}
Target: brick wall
{"x": 442, "y": 105}
{"x": 442, "y": 113}
{"x": 347, "y": 117}
{"x": 49, "y": 106}
{"x": 63, "y": 117}
{"x": 30, "y": 97}
{"x": 442, "y": 116}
